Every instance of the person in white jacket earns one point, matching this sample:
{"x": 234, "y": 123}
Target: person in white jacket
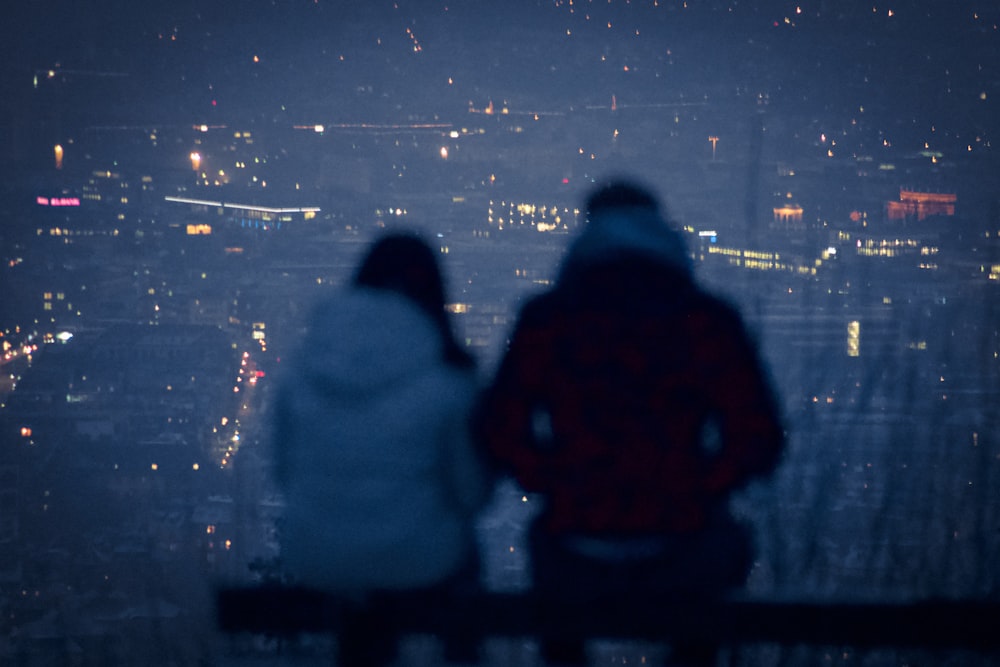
{"x": 373, "y": 453}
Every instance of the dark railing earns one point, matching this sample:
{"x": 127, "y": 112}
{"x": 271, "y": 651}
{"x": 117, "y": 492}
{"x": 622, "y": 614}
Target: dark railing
{"x": 930, "y": 624}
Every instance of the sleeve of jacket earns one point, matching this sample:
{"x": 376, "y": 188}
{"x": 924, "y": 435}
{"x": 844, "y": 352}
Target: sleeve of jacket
{"x": 504, "y": 423}
{"x": 738, "y": 387}
{"x": 468, "y": 473}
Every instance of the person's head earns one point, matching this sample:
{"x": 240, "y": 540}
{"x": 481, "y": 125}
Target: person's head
{"x": 625, "y": 218}
{"x": 405, "y": 264}
{"x": 617, "y": 196}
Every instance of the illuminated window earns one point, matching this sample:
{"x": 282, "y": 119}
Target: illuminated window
{"x": 854, "y": 338}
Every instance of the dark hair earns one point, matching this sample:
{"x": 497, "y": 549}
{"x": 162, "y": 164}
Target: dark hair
{"x": 619, "y": 194}
{"x": 405, "y": 264}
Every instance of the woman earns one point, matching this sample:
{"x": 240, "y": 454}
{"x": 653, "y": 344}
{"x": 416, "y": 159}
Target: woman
{"x": 373, "y": 453}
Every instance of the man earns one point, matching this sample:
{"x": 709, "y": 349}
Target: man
{"x": 634, "y": 404}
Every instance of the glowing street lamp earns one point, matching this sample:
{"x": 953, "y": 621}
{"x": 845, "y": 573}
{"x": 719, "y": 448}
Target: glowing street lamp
{"x": 59, "y": 156}
{"x": 196, "y": 161}
{"x": 714, "y": 141}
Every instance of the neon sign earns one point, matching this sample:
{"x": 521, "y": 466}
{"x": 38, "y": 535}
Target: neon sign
{"x": 57, "y": 201}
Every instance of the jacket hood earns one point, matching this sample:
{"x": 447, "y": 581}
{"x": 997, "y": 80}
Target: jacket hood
{"x": 366, "y": 339}
{"x": 628, "y": 231}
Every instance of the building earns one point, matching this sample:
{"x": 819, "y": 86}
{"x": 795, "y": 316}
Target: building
{"x": 919, "y": 205}
{"x": 266, "y": 218}
{"x": 787, "y": 216}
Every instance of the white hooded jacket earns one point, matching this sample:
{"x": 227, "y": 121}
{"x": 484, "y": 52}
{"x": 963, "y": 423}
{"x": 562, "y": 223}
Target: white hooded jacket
{"x": 373, "y": 451}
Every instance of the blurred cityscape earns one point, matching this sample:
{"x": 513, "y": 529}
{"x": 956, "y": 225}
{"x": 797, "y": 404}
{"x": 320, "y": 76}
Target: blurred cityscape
{"x": 180, "y": 184}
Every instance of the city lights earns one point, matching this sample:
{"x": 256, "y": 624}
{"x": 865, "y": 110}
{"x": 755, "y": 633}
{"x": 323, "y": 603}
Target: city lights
{"x": 186, "y": 188}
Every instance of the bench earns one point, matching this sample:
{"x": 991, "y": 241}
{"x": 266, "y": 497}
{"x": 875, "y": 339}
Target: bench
{"x": 929, "y": 624}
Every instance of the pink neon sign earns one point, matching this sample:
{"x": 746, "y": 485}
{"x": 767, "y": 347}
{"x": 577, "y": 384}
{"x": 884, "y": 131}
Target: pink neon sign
{"x": 57, "y": 201}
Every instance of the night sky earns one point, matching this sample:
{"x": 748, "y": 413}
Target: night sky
{"x": 925, "y": 62}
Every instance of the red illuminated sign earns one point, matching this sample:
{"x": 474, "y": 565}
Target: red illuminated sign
{"x": 57, "y": 201}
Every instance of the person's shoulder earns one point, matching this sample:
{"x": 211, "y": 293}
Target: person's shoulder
{"x": 715, "y": 303}
{"x": 371, "y": 314}
{"x": 370, "y": 302}
{"x": 539, "y": 306}
{"x": 368, "y": 333}
{"x": 714, "y": 311}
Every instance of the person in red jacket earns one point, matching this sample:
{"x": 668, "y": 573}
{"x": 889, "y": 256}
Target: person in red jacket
{"x": 633, "y": 403}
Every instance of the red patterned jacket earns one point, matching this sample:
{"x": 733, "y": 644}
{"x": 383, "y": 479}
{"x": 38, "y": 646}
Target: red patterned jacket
{"x": 609, "y": 395}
